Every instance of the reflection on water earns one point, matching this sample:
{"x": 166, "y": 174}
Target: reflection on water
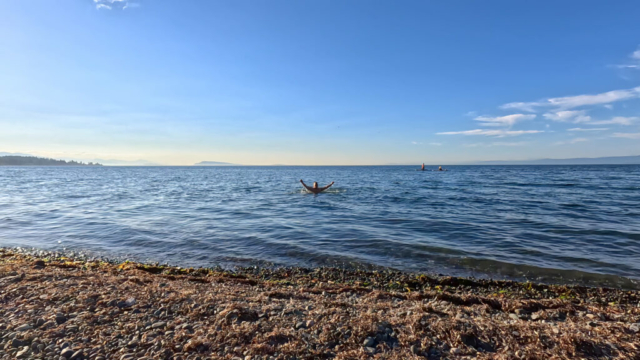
{"x": 553, "y": 223}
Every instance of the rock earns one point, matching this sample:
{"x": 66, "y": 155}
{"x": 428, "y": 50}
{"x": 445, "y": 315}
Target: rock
{"x": 38, "y": 264}
{"x": 521, "y": 312}
{"x": 23, "y": 353}
{"x": 514, "y": 317}
{"x": 535, "y": 317}
{"x": 24, "y": 327}
{"x": 66, "y": 353}
{"x": 456, "y": 351}
{"x": 593, "y": 323}
{"x": 77, "y": 355}
{"x": 310, "y": 323}
{"x": 16, "y": 343}
{"x": 126, "y": 357}
{"x": 300, "y": 325}
{"x": 369, "y": 342}
{"x": 64, "y": 345}
{"x": 60, "y": 318}
{"x": 414, "y": 349}
{"x": 635, "y": 327}
{"x": 40, "y": 322}
{"x": 591, "y": 316}
{"x": 370, "y": 350}
{"x": 159, "y": 325}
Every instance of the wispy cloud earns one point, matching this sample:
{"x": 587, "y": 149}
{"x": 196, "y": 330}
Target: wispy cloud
{"x": 497, "y": 143}
{"x": 627, "y": 135}
{"x": 496, "y": 133}
{"x": 589, "y": 129}
{"x": 634, "y": 63}
{"x": 508, "y": 120}
{"x": 471, "y": 113}
{"x": 435, "y": 144}
{"x": 618, "y": 120}
{"x": 571, "y": 102}
{"x": 119, "y": 4}
{"x": 572, "y": 141}
{"x": 575, "y": 116}
{"x": 416, "y": 143}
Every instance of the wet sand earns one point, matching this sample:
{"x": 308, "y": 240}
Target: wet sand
{"x": 59, "y": 308}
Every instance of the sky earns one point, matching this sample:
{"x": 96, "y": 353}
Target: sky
{"x": 322, "y": 82}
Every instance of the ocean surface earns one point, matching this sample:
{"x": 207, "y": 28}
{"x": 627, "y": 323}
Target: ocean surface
{"x": 562, "y": 224}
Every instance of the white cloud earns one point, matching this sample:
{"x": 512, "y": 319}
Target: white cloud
{"x": 608, "y": 106}
{"x": 519, "y": 143}
{"x": 416, "y": 143}
{"x": 507, "y": 120}
{"x": 635, "y": 61}
{"x": 471, "y": 113}
{"x": 435, "y": 144}
{"x": 118, "y": 4}
{"x": 571, "y": 102}
{"x": 618, "y": 120}
{"x": 627, "y": 135}
{"x": 497, "y": 133}
{"x": 572, "y": 141}
{"x": 591, "y": 129}
{"x": 576, "y": 116}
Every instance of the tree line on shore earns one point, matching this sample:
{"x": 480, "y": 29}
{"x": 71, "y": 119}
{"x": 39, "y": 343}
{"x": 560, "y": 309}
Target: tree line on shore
{"x": 13, "y": 160}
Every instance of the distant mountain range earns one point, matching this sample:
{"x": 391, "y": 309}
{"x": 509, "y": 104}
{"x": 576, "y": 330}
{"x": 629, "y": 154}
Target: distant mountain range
{"x": 114, "y": 162}
{"x": 214, "y": 163}
{"x": 611, "y": 160}
{"x": 12, "y": 160}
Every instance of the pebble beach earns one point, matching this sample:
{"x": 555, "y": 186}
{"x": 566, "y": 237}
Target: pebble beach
{"x": 55, "y": 307}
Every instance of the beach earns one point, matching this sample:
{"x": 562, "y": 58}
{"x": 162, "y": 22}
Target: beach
{"x": 54, "y": 307}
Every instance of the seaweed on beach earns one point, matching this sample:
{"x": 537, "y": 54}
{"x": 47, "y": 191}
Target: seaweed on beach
{"x": 70, "y": 308}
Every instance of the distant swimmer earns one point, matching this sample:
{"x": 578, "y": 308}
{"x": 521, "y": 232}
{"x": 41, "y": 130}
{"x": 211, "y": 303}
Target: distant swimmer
{"x": 441, "y": 169}
{"x": 315, "y": 189}
{"x": 422, "y": 167}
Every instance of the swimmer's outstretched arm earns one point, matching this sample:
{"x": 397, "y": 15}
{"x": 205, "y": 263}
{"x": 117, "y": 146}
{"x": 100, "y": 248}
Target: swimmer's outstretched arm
{"x": 305, "y": 185}
{"x": 326, "y": 187}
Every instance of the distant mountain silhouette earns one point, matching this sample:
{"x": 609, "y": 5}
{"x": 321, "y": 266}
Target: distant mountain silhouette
{"x": 213, "y": 163}
{"x": 13, "y": 160}
{"x": 611, "y": 160}
{"x": 115, "y": 162}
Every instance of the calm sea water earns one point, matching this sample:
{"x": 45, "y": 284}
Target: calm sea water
{"x": 548, "y": 223}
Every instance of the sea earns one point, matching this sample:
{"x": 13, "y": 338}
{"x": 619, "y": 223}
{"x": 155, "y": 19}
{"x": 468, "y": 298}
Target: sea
{"x": 554, "y": 224}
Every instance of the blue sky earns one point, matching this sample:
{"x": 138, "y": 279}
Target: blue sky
{"x": 319, "y": 82}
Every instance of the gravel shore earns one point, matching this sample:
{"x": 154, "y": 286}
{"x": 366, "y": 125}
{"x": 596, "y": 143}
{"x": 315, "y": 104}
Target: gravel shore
{"x": 59, "y": 308}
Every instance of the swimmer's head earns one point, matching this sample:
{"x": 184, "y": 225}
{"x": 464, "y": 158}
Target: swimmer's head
{"x": 315, "y": 185}
{"x": 439, "y": 167}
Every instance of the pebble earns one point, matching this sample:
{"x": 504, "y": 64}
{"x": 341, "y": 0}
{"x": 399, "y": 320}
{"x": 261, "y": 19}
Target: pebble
{"x": 635, "y": 327}
{"x": 23, "y": 353}
{"x": 456, "y": 351}
{"x": 24, "y": 327}
{"x": 370, "y": 350}
{"x": 414, "y": 349}
{"x": 535, "y": 317}
{"x": 126, "y": 357}
{"x": 514, "y": 316}
{"x": 16, "y": 343}
{"x": 77, "y": 355}
{"x": 159, "y": 325}
{"x": 301, "y": 325}
{"x": 369, "y": 342}
{"x": 66, "y": 353}
{"x": 60, "y": 318}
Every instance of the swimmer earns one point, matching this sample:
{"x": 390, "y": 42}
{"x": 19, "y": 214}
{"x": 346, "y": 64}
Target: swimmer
{"x": 422, "y": 167}
{"x": 441, "y": 169}
{"x": 315, "y": 189}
